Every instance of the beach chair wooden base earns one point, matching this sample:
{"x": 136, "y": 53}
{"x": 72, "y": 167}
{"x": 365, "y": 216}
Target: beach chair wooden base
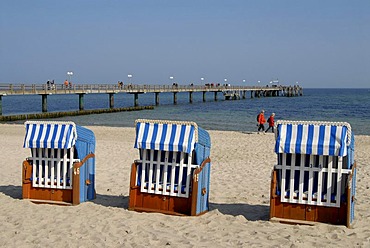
{"x": 166, "y": 204}
{"x": 52, "y": 195}
{"x": 294, "y": 213}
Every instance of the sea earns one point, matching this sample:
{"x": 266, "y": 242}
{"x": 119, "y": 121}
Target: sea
{"x": 339, "y": 105}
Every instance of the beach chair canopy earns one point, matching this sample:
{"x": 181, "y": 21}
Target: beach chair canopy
{"x": 167, "y": 135}
{"x": 56, "y": 135}
{"x": 317, "y": 138}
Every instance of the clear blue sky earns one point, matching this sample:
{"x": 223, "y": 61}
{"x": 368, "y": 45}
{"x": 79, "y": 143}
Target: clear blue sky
{"x": 317, "y": 43}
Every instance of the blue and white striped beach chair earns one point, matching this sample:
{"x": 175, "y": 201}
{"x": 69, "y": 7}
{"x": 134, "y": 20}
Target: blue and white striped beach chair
{"x": 173, "y": 173}
{"x": 61, "y": 168}
{"x": 315, "y": 178}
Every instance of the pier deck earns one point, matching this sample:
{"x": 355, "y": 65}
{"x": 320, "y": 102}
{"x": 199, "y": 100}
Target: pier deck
{"x": 8, "y": 90}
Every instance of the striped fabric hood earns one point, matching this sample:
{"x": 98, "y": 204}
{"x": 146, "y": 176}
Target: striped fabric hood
{"x": 166, "y": 135}
{"x": 317, "y": 138}
{"x": 44, "y": 134}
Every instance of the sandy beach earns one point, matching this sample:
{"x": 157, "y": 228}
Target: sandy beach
{"x": 239, "y": 201}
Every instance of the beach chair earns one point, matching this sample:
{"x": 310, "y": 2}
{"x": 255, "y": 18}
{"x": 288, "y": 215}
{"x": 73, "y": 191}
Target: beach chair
{"x": 173, "y": 173}
{"x": 61, "y": 168}
{"x": 315, "y": 176}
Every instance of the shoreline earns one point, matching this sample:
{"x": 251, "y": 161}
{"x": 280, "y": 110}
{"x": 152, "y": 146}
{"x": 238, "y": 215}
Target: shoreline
{"x": 239, "y": 200}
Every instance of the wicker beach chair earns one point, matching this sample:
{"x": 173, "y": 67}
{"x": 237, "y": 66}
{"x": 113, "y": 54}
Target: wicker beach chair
{"x": 61, "y": 168}
{"x": 315, "y": 178}
{"x": 173, "y": 173}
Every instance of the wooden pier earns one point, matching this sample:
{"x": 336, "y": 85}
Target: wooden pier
{"x": 45, "y": 90}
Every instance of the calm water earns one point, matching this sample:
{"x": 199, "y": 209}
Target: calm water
{"x": 350, "y": 105}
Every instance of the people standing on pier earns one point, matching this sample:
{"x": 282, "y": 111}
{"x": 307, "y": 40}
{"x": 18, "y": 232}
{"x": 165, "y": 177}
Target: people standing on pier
{"x": 48, "y": 84}
{"x": 261, "y": 120}
{"x": 271, "y": 122}
{"x": 66, "y": 84}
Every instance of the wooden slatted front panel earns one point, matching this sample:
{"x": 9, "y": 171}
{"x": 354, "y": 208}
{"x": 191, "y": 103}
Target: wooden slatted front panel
{"x": 165, "y": 173}
{"x": 52, "y": 168}
{"x": 311, "y": 179}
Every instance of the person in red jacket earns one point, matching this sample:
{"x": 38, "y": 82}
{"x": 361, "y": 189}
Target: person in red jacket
{"x": 271, "y": 122}
{"x": 261, "y": 121}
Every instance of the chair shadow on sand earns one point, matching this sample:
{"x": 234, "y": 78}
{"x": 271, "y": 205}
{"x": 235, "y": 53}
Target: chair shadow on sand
{"x": 13, "y": 191}
{"x": 250, "y": 212}
{"x": 117, "y": 201}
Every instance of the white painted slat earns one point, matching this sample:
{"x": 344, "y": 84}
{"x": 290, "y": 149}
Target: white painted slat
{"x": 70, "y": 171}
{"x": 143, "y": 168}
{"x": 173, "y": 172}
{"x": 179, "y": 183}
{"x": 65, "y": 167}
{"x": 59, "y": 166}
{"x": 46, "y": 166}
{"x": 301, "y": 178}
{"x": 188, "y": 175}
{"x": 320, "y": 180}
{"x": 52, "y": 169}
{"x": 339, "y": 181}
{"x": 292, "y": 174}
{"x": 330, "y": 180}
{"x": 310, "y": 180}
{"x": 158, "y": 173}
{"x": 165, "y": 172}
{"x": 150, "y": 179}
{"x": 283, "y": 174}
{"x": 39, "y": 176}
{"x": 34, "y": 164}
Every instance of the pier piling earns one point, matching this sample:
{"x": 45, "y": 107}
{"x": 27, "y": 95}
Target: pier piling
{"x": 111, "y": 100}
{"x": 44, "y": 103}
{"x": 136, "y": 99}
{"x": 175, "y": 98}
{"x": 81, "y": 101}
{"x": 156, "y": 98}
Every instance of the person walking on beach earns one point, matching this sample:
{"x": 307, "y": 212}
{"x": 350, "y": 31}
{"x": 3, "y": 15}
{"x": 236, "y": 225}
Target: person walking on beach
{"x": 261, "y": 120}
{"x": 271, "y": 122}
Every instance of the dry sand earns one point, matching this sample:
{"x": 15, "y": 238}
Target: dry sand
{"x": 239, "y": 201}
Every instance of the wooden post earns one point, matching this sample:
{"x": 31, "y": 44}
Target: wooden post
{"x": 111, "y": 100}
{"x": 44, "y": 103}
{"x": 251, "y": 93}
{"x": 204, "y": 96}
{"x": 156, "y": 98}
{"x": 216, "y": 96}
{"x": 136, "y": 99}
{"x": 175, "y": 98}
{"x": 191, "y": 96}
{"x": 1, "y": 105}
{"x": 76, "y": 186}
{"x": 81, "y": 101}
{"x": 244, "y": 94}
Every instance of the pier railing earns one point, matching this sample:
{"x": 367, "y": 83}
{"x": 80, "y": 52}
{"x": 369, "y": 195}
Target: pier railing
{"x": 229, "y": 92}
{"x": 26, "y": 89}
